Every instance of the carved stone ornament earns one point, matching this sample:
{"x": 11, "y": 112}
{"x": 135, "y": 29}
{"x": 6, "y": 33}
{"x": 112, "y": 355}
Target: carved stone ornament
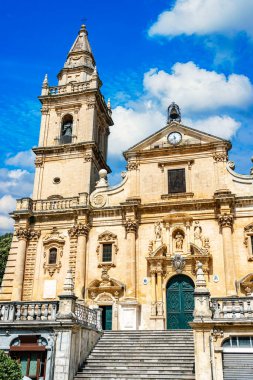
{"x": 79, "y": 229}
{"x": 132, "y": 166}
{"x": 99, "y": 200}
{"x": 226, "y": 220}
{"x": 178, "y": 263}
{"x": 131, "y": 225}
{"x": 158, "y": 231}
{"x": 220, "y": 157}
{"x": 107, "y": 236}
{"x": 38, "y": 162}
{"x": 248, "y": 231}
{"x": 88, "y": 157}
{"x": 27, "y": 233}
{"x": 217, "y": 333}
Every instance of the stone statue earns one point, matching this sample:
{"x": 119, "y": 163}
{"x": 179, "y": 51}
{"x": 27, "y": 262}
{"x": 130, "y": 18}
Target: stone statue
{"x": 179, "y": 241}
{"x": 198, "y": 236}
{"x": 158, "y": 231}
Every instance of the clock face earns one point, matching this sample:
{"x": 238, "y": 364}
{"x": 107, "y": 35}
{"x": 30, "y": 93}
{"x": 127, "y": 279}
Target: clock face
{"x": 174, "y": 138}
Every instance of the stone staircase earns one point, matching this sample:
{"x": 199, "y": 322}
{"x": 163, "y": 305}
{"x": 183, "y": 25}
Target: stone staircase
{"x": 141, "y": 354}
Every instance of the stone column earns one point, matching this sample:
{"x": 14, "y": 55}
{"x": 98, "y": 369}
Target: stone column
{"x": 153, "y": 292}
{"x": 23, "y": 234}
{"x": 131, "y": 229}
{"x": 226, "y": 224}
{"x": 81, "y": 231}
{"x": 159, "y": 294}
{"x": 202, "y": 318}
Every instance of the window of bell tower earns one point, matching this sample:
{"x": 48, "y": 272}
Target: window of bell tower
{"x": 66, "y": 129}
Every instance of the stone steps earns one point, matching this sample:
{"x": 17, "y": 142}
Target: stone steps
{"x": 141, "y": 355}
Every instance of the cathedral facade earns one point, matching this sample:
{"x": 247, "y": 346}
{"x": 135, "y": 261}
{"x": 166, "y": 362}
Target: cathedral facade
{"x": 133, "y": 249}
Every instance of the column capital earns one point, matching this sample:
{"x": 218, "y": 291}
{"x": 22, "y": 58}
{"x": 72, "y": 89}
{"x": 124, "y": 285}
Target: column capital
{"x": 27, "y": 233}
{"x": 226, "y": 220}
{"x": 79, "y": 229}
{"x": 131, "y": 225}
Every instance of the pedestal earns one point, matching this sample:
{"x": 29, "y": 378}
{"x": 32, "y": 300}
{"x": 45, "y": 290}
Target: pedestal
{"x": 129, "y": 314}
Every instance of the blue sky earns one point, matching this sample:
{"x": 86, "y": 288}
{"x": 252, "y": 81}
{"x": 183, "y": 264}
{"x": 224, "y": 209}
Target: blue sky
{"x": 148, "y": 54}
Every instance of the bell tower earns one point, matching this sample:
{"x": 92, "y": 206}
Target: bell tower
{"x": 74, "y": 127}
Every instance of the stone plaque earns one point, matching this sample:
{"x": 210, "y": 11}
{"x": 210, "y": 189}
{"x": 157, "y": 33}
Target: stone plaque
{"x": 49, "y": 290}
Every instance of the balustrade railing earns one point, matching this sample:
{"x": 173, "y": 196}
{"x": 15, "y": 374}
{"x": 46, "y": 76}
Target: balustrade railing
{"x": 52, "y": 204}
{"x": 88, "y": 317}
{"x": 67, "y": 88}
{"x": 47, "y": 311}
{"x": 28, "y": 311}
{"x": 239, "y": 308}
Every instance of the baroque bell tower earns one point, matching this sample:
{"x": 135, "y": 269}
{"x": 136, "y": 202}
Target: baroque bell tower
{"x": 74, "y": 127}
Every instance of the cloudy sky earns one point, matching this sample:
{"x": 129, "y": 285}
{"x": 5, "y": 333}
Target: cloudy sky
{"x": 149, "y": 53}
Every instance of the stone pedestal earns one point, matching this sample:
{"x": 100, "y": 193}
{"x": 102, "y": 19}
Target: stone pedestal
{"x": 129, "y": 314}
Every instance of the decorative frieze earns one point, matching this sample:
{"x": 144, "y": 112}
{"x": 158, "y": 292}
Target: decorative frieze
{"x": 132, "y": 165}
{"x": 220, "y": 157}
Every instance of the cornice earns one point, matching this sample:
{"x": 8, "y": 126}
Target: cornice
{"x": 77, "y": 147}
{"x": 178, "y": 150}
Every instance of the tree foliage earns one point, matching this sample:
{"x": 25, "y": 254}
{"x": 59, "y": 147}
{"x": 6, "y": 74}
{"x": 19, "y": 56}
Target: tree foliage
{"x": 5, "y": 244}
{"x": 9, "y": 368}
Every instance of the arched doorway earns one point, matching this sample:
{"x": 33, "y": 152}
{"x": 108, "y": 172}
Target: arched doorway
{"x": 180, "y": 302}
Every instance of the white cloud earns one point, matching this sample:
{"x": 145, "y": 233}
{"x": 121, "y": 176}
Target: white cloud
{"x": 7, "y": 204}
{"x": 203, "y": 17}
{"x": 132, "y": 125}
{"x": 198, "y": 89}
{"x": 195, "y": 90}
{"x": 6, "y": 224}
{"x": 23, "y": 159}
{"x": 222, "y": 126}
{"x": 17, "y": 182}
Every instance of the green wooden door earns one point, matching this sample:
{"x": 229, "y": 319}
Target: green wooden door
{"x": 106, "y": 317}
{"x": 180, "y": 302}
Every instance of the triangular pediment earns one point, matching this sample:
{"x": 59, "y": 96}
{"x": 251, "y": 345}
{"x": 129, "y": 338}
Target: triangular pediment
{"x": 189, "y": 137}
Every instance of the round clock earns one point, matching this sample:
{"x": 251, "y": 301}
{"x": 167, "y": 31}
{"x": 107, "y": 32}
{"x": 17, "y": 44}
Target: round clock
{"x": 174, "y": 138}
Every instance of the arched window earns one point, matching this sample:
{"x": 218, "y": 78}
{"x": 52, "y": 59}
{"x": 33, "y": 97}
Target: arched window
{"x": 52, "y": 256}
{"x": 66, "y": 129}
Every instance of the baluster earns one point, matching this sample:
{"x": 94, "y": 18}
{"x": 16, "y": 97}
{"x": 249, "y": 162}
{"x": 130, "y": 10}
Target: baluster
{"x": 5, "y": 312}
{"x": 222, "y": 308}
{"x": 53, "y": 311}
{"x": 38, "y": 317}
{"x": 11, "y": 312}
{"x": 31, "y": 312}
{"x": 45, "y": 312}
{"x": 18, "y": 312}
{"x": 241, "y": 309}
{"x": 24, "y": 312}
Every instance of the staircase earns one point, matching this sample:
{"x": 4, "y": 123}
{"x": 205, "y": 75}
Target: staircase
{"x": 141, "y": 355}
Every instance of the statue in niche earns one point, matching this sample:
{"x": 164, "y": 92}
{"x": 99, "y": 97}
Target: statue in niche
{"x": 179, "y": 241}
{"x": 158, "y": 231}
{"x": 198, "y": 240}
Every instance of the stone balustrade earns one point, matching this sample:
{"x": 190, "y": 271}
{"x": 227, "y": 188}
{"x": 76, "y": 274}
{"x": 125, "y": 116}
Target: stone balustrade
{"x": 27, "y": 204}
{"x": 54, "y": 204}
{"x": 28, "y": 311}
{"x": 88, "y": 317}
{"x": 235, "y": 308}
{"x": 47, "y": 311}
{"x": 68, "y": 88}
